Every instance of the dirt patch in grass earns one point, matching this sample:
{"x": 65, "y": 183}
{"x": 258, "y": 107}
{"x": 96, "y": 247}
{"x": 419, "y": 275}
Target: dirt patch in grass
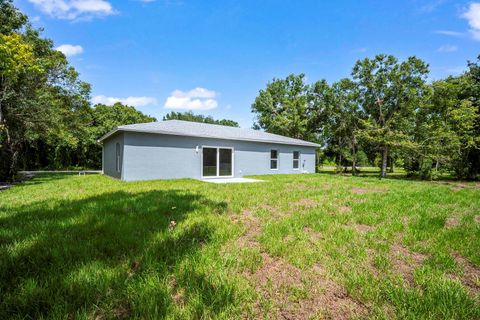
{"x": 121, "y": 312}
{"x": 178, "y": 293}
{"x": 252, "y": 229}
{"x": 314, "y": 236}
{"x": 454, "y": 186}
{"x": 274, "y": 211}
{"x": 306, "y": 203}
{"x": 451, "y": 222}
{"x": 477, "y": 218}
{"x": 365, "y": 190}
{"x": 471, "y": 274}
{"x": 363, "y": 228}
{"x": 405, "y": 262}
{"x": 344, "y": 209}
{"x": 293, "y": 293}
{"x": 302, "y": 294}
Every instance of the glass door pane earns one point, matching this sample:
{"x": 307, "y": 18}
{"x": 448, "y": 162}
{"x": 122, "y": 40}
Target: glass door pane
{"x": 225, "y": 162}
{"x": 209, "y": 162}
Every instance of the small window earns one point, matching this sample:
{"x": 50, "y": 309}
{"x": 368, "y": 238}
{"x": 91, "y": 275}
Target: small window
{"x": 117, "y": 157}
{"x": 296, "y": 159}
{"x": 274, "y": 159}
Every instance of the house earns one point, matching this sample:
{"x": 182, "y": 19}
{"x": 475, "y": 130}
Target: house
{"x": 182, "y": 149}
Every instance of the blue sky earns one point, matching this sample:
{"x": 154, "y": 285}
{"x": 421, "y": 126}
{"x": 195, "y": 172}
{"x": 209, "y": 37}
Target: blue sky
{"x": 214, "y": 56}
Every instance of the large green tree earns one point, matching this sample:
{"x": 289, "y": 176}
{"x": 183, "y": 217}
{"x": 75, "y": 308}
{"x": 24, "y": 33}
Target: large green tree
{"x": 447, "y": 135}
{"x": 38, "y": 90}
{"x": 389, "y": 93}
{"x": 283, "y": 108}
{"x": 344, "y": 122}
{"x": 470, "y": 95}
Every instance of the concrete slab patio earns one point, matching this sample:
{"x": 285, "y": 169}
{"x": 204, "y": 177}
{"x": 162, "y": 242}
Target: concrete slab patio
{"x": 231, "y": 180}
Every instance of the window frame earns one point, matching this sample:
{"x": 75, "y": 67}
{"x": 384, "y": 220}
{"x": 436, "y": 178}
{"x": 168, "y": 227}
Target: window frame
{"x": 274, "y": 159}
{"x": 296, "y": 160}
{"x": 217, "y": 176}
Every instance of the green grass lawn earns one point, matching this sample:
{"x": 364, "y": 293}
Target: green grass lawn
{"x": 295, "y": 246}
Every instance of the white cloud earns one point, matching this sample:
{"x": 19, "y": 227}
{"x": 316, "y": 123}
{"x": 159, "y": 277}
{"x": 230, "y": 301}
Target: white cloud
{"x": 447, "y": 48}
{"x": 74, "y": 9}
{"x": 431, "y": 6}
{"x": 131, "y": 101}
{"x": 472, "y": 15}
{"x": 449, "y": 33}
{"x": 195, "y": 99}
{"x": 195, "y": 93}
{"x": 69, "y": 50}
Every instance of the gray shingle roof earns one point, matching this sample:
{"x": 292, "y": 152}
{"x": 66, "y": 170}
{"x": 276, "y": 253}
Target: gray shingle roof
{"x": 205, "y": 130}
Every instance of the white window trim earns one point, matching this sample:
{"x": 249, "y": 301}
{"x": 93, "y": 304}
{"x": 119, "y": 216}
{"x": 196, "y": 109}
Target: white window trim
{"x": 293, "y": 159}
{"x": 218, "y": 162}
{"x": 277, "y": 159}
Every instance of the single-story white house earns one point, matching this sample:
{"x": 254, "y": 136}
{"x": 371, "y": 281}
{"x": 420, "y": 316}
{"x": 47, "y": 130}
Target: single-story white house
{"x": 182, "y": 149}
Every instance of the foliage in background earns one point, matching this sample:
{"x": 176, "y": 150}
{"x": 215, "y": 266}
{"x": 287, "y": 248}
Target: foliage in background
{"x": 284, "y": 108}
{"x": 389, "y": 93}
{"x": 387, "y": 113}
{"x": 86, "y": 152}
{"x": 40, "y": 93}
{"x": 190, "y": 116}
{"x": 46, "y": 120}
{"x": 344, "y": 122}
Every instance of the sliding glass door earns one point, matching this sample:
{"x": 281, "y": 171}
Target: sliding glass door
{"x": 209, "y": 162}
{"x": 225, "y": 161}
{"x": 217, "y": 162}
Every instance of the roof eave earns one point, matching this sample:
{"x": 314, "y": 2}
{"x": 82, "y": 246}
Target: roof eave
{"x": 108, "y": 134}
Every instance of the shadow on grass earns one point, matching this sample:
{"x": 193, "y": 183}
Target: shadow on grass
{"x": 73, "y": 257}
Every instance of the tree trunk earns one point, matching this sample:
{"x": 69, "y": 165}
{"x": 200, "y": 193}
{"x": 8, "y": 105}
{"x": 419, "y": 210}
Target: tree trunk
{"x": 13, "y": 165}
{"x": 354, "y": 158}
{"x": 392, "y": 165}
{"x": 339, "y": 166}
{"x": 384, "y": 162}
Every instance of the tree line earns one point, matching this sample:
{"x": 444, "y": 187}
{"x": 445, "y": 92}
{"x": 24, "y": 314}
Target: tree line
{"x": 46, "y": 119}
{"x": 386, "y": 113}
{"x": 190, "y": 116}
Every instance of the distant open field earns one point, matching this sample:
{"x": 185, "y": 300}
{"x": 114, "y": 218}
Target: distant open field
{"x": 295, "y": 247}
